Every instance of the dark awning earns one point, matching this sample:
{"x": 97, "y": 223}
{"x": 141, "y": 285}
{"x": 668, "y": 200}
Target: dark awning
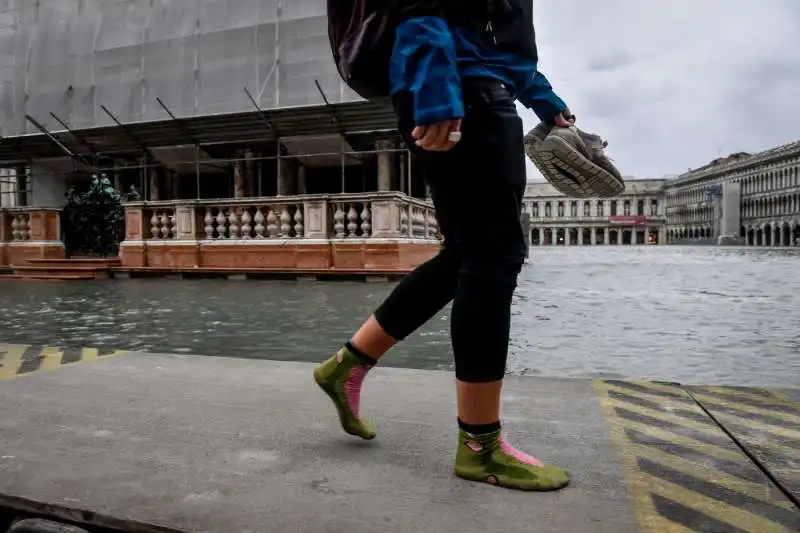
{"x": 345, "y": 118}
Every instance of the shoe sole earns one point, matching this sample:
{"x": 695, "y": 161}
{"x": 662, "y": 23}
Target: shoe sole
{"x": 566, "y": 169}
{"x": 329, "y": 390}
{"x": 491, "y": 479}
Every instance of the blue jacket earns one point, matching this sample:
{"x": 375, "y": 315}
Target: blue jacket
{"x": 431, "y": 57}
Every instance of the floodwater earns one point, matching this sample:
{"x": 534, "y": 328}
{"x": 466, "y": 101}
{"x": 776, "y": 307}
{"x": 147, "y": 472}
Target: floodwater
{"x": 687, "y": 314}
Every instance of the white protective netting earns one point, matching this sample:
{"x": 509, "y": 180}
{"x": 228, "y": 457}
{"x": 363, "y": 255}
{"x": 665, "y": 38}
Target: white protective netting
{"x": 69, "y": 57}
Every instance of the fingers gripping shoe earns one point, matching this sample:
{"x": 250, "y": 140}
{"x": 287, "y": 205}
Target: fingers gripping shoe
{"x": 573, "y": 161}
{"x": 341, "y": 377}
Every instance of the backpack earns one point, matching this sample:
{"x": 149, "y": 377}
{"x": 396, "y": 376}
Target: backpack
{"x": 362, "y": 34}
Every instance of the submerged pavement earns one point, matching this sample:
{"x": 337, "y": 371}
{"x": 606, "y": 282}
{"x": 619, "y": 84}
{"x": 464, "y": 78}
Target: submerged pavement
{"x": 151, "y": 442}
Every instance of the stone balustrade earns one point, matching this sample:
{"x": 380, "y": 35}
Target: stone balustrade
{"x": 29, "y": 233}
{"x": 356, "y": 231}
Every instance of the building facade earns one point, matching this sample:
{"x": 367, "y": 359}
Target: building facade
{"x": 636, "y": 217}
{"x": 227, "y": 117}
{"x": 748, "y": 199}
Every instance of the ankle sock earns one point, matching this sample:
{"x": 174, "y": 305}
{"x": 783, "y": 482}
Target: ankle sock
{"x": 479, "y": 429}
{"x": 361, "y": 356}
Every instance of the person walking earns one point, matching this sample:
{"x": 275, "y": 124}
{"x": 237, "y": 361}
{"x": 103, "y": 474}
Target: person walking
{"x": 455, "y": 71}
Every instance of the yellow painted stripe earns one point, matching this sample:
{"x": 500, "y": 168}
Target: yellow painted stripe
{"x": 709, "y": 428}
{"x": 716, "y": 509}
{"x": 682, "y": 440}
{"x": 666, "y": 417}
{"x": 11, "y": 361}
{"x": 776, "y": 397}
{"x": 752, "y": 423}
{"x": 646, "y": 514}
{"x": 52, "y": 358}
{"x": 663, "y": 400}
{"x": 88, "y": 354}
{"x": 732, "y": 404}
{"x": 661, "y": 387}
{"x": 711, "y": 475}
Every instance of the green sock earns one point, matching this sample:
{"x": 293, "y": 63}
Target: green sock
{"x": 341, "y": 377}
{"x": 491, "y": 459}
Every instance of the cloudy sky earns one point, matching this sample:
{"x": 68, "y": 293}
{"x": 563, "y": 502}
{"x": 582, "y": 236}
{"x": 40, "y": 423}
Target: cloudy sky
{"x": 672, "y": 84}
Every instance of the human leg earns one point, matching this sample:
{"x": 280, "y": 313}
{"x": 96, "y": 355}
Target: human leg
{"x": 414, "y": 301}
{"x": 491, "y": 181}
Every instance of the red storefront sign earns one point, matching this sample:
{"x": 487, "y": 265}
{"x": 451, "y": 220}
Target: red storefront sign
{"x": 628, "y": 220}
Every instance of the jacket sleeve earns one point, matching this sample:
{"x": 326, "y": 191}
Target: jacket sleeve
{"x": 539, "y": 96}
{"x": 424, "y": 62}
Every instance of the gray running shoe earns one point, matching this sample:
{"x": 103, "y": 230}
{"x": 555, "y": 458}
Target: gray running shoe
{"x": 573, "y": 161}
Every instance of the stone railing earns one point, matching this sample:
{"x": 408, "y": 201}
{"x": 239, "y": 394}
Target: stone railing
{"x": 330, "y": 217}
{"x": 29, "y": 233}
{"x": 386, "y": 231}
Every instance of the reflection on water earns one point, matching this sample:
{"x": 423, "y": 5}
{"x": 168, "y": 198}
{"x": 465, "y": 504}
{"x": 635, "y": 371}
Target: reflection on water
{"x": 688, "y": 314}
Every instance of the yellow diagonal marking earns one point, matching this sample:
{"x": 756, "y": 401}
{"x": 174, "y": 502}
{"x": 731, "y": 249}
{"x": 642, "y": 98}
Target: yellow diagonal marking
{"x": 716, "y": 509}
{"x": 707, "y": 428}
{"x": 775, "y": 397}
{"x": 52, "y": 358}
{"x": 732, "y": 404}
{"x": 660, "y": 387}
{"x": 646, "y": 514}
{"x": 681, "y": 440}
{"x": 663, "y": 400}
{"x": 667, "y": 417}
{"x": 11, "y": 360}
{"x": 711, "y": 475}
{"x": 88, "y": 354}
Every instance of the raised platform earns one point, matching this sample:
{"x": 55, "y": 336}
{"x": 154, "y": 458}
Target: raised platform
{"x": 73, "y": 269}
{"x": 146, "y": 443}
{"x": 319, "y": 274}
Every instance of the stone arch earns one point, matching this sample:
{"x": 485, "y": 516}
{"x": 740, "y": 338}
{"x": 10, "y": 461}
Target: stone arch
{"x": 786, "y": 234}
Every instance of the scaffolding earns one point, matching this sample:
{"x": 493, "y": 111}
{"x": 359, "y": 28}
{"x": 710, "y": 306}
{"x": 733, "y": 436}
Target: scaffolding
{"x": 139, "y": 59}
{"x": 182, "y": 93}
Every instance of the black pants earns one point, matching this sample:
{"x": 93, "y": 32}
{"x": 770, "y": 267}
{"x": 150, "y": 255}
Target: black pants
{"x": 477, "y": 190}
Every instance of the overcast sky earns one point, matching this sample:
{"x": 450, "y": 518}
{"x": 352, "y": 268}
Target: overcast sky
{"x": 672, "y": 84}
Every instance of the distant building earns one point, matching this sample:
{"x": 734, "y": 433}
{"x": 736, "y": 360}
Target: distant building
{"x": 751, "y": 199}
{"x": 635, "y": 217}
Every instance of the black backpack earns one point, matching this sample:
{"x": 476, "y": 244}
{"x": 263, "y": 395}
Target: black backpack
{"x": 362, "y": 34}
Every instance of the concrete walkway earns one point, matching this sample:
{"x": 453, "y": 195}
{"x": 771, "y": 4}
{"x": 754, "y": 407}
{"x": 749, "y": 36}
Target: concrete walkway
{"x": 219, "y": 445}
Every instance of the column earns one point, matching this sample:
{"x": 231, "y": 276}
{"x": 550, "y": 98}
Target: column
{"x": 580, "y": 236}
{"x": 619, "y": 236}
{"x": 286, "y": 169}
{"x": 607, "y": 236}
{"x": 174, "y": 184}
{"x": 594, "y": 236}
{"x": 541, "y": 236}
{"x": 567, "y": 233}
{"x": 238, "y": 179}
{"x": 302, "y": 186}
{"x": 118, "y": 176}
{"x": 553, "y": 236}
{"x": 21, "y": 180}
{"x": 384, "y": 166}
{"x": 153, "y": 185}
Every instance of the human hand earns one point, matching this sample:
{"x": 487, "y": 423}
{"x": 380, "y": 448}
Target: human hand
{"x": 565, "y": 118}
{"x": 437, "y": 137}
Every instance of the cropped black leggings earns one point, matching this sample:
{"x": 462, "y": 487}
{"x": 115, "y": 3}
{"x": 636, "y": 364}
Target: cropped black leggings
{"x": 477, "y": 190}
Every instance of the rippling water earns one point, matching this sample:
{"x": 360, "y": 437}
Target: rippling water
{"x": 687, "y": 314}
